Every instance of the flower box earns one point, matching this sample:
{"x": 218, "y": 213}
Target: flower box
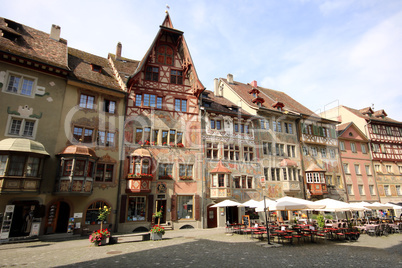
{"x": 166, "y": 177}
{"x": 156, "y": 236}
{"x": 140, "y": 176}
{"x": 186, "y": 178}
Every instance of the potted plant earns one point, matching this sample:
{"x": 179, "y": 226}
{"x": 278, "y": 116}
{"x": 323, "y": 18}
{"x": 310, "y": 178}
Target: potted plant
{"x": 156, "y": 232}
{"x": 100, "y": 237}
{"x": 158, "y": 215}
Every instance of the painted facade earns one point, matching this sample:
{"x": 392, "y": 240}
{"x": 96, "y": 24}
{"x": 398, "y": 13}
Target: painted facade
{"x": 357, "y": 165}
{"x": 385, "y": 140}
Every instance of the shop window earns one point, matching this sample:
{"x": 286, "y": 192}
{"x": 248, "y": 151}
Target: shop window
{"x": 136, "y": 208}
{"x": 87, "y": 101}
{"x": 20, "y": 84}
{"x": 104, "y": 172}
{"x": 185, "y": 206}
{"x": 92, "y": 213}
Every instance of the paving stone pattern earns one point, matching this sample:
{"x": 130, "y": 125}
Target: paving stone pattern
{"x": 205, "y": 248}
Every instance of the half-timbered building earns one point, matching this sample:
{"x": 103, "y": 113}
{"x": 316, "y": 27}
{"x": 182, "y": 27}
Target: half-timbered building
{"x": 385, "y": 139}
{"x": 162, "y": 170}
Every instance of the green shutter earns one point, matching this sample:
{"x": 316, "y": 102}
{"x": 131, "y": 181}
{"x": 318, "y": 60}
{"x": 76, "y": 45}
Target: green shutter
{"x": 315, "y": 130}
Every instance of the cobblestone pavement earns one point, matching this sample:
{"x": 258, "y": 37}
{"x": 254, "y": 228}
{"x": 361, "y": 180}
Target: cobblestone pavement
{"x": 205, "y": 248}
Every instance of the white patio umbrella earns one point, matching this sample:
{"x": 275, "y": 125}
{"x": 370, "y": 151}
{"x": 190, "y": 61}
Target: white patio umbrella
{"x": 260, "y": 207}
{"x": 336, "y": 205}
{"x": 250, "y": 203}
{"x": 292, "y": 203}
{"x": 227, "y": 203}
{"x": 394, "y": 206}
{"x": 377, "y": 205}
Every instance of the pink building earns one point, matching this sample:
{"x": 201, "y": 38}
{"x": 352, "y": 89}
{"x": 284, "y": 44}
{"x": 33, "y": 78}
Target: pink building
{"x": 357, "y": 165}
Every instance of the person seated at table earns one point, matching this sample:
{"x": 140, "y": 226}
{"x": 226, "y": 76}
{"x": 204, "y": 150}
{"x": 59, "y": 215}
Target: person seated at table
{"x": 256, "y": 224}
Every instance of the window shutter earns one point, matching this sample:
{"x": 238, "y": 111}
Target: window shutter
{"x": 304, "y": 129}
{"x": 333, "y": 133}
{"x": 315, "y": 130}
{"x": 173, "y": 213}
{"x": 123, "y": 208}
{"x": 321, "y": 131}
{"x": 150, "y": 207}
{"x": 197, "y": 208}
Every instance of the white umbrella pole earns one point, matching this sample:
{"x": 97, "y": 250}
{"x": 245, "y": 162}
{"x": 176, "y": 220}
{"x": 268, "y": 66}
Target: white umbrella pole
{"x": 267, "y": 222}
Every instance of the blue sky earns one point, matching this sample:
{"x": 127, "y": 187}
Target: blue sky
{"x": 320, "y": 52}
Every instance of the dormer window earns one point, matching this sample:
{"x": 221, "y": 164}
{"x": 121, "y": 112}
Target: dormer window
{"x": 96, "y": 68}
{"x": 278, "y": 105}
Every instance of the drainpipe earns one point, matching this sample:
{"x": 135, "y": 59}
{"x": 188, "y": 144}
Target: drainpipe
{"x": 202, "y": 117}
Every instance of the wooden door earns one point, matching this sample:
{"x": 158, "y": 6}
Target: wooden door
{"x": 212, "y": 221}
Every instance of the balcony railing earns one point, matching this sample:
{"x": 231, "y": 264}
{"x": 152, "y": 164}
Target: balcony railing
{"x": 76, "y": 185}
{"x": 219, "y": 192}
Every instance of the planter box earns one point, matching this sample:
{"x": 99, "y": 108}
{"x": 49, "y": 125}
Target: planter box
{"x": 156, "y": 236}
{"x": 104, "y": 241}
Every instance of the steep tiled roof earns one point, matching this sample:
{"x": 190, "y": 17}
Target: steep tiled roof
{"x": 30, "y": 43}
{"x": 221, "y": 104}
{"x": 270, "y": 96}
{"x": 342, "y": 127}
{"x": 80, "y": 65}
{"x": 124, "y": 66}
{"x": 373, "y": 116}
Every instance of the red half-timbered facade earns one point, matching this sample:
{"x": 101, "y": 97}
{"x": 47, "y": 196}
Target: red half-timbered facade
{"x": 161, "y": 137}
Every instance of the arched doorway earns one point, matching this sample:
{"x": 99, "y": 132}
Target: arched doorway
{"x": 212, "y": 221}
{"x": 57, "y": 220}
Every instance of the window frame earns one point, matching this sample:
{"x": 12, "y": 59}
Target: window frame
{"x": 87, "y": 105}
{"x": 152, "y": 73}
{"x": 82, "y": 134}
{"x": 23, "y": 125}
{"x": 105, "y": 168}
{"x": 180, "y": 105}
{"x": 107, "y": 103}
{"x": 144, "y": 207}
{"x": 96, "y": 209}
{"x": 21, "y": 76}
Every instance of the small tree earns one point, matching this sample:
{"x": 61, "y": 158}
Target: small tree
{"x": 320, "y": 221}
{"x": 159, "y": 214}
{"x": 103, "y": 213}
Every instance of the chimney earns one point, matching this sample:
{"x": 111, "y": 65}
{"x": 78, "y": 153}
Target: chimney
{"x": 230, "y": 78}
{"x": 118, "y": 51}
{"x": 216, "y": 87}
{"x": 254, "y": 83}
{"x": 55, "y": 32}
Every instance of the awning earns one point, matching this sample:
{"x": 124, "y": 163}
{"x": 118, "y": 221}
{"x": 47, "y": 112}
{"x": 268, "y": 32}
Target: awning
{"x": 22, "y": 145}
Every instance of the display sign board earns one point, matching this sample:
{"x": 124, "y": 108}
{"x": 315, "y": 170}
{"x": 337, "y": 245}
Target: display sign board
{"x": 78, "y": 215}
{"x": 245, "y": 219}
{"x": 35, "y": 229}
{"x": 7, "y": 220}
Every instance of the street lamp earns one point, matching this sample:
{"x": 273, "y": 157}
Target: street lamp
{"x": 267, "y": 221}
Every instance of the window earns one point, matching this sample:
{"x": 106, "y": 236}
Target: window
{"x": 152, "y": 74}
{"x": 242, "y": 128}
{"x": 277, "y": 126}
{"x": 212, "y": 150}
{"x": 109, "y": 106}
{"x": 285, "y": 176}
{"x": 353, "y": 147}
{"x": 165, "y": 55}
{"x": 3, "y": 162}
{"x": 346, "y": 168}
{"x": 216, "y": 124}
{"x": 342, "y": 145}
{"x": 288, "y": 128}
{"x": 375, "y": 129}
{"x": 361, "y": 189}
{"x": 248, "y": 153}
{"x": 357, "y": 169}
{"x": 329, "y": 179}
{"x": 165, "y": 170}
{"x": 305, "y": 150}
{"x": 371, "y": 189}
{"x": 22, "y": 127}
{"x": 164, "y": 137}
{"x": 246, "y": 128}
{"x": 377, "y": 168}
{"x": 314, "y": 151}
{"x": 92, "y": 213}
{"x": 180, "y": 105}
{"x": 138, "y": 135}
{"x": 275, "y": 174}
{"x": 87, "y": 101}
{"x": 79, "y": 168}
{"x": 185, "y": 206}
{"x": 147, "y": 135}
{"x": 249, "y": 182}
{"x": 364, "y": 149}
{"x": 155, "y": 137}
{"x": 386, "y": 190}
{"x": 376, "y": 148}
{"x": 176, "y": 77}
{"x": 68, "y": 166}
{"x": 104, "y": 172}
{"x": 368, "y": 170}
{"x": 309, "y": 177}
{"x": 236, "y": 127}
{"x": 267, "y": 148}
{"x": 218, "y": 180}
{"x": 400, "y": 169}
{"x": 179, "y": 137}
{"x": 316, "y": 177}
{"x": 18, "y": 84}
{"x": 148, "y": 100}
{"x": 136, "y": 208}
{"x": 83, "y": 135}
{"x": 389, "y": 168}
{"x": 32, "y": 167}
{"x": 185, "y": 171}
{"x": 398, "y": 190}
{"x": 324, "y": 152}
{"x": 350, "y": 189}
{"x": 236, "y": 182}
{"x": 231, "y": 152}
{"x": 262, "y": 124}
{"x": 106, "y": 139}
{"x": 332, "y": 153}
{"x": 172, "y": 136}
